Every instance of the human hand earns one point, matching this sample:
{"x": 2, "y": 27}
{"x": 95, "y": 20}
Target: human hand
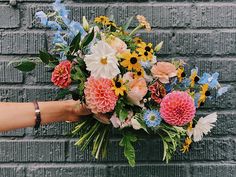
{"x": 78, "y": 109}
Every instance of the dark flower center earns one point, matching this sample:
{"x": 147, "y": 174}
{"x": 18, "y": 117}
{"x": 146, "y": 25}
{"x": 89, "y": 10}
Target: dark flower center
{"x": 202, "y": 103}
{"x": 196, "y": 79}
{"x": 133, "y": 60}
{"x": 146, "y": 53}
{"x": 147, "y": 48}
{"x": 118, "y": 84}
{"x": 207, "y": 93}
{"x": 139, "y": 73}
{"x": 183, "y": 74}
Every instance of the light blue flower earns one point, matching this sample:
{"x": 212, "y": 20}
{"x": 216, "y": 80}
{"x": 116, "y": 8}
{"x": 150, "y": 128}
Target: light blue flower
{"x": 223, "y": 90}
{"x": 146, "y": 64}
{"x": 62, "y": 56}
{"x": 54, "y": 25}
{"x": 152, "y": 118}
{"x": 58, "y": 39}
{"x": 43, "y": 17}
{"x": 211, "y": 80}
{"x": 60, "y": 8}
{"x": 75, "y": 28}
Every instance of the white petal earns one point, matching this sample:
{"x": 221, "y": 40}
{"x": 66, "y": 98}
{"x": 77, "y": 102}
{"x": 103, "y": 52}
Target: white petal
{"x": 135, "y": 124}
{"x": 204, "y": 126}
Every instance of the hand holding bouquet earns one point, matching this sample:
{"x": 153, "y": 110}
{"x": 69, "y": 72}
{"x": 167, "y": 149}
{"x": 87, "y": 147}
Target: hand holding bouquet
{"x": 124, "y": 84}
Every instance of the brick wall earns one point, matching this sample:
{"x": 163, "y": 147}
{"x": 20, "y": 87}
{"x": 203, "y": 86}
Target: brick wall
{"x": 202, "y": 33}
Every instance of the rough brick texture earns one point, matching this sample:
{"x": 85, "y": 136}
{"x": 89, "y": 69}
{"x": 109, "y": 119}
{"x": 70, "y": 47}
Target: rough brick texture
{"x": 201, "y": 33}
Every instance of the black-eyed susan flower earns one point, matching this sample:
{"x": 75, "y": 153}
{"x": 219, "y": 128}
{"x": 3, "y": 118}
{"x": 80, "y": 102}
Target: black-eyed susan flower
{"x": 194, "y": 77}
{"x": 186, "y": 145}
{"x": 139, "y": 73}
{"x": 118, "y": 86}
{"x": 180, "y": 74}
{"x": 111, "y": 24}
{"x": 137, "y": 40}
{"x": 204, "y": 93}
{"x": 102, "y": 19}
{"x": 130, "y": 60}
{"x": 145, "y": 51}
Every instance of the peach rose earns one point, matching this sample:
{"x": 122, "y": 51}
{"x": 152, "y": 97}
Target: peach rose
{"x": 117, "y": 44}
{"x": 163, "y": 71}
{"x": 61, "y": 74}
{"x": 137, "y": 88}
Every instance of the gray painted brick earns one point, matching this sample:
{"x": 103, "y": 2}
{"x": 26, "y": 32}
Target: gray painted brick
{"x": 213, "y": 15}
{"x": 78, "y": 170}
{"x": 12, "y": 171}
{"x": 11, "y": 94}
{"x": 32, "y": 150}
{"x": 13, "y": 133}
{"x": 149, "y": 170}
{"x": 22, "y": 42}
{"x": 146, "y": 153}
{"x": 210, "y": 170}
{"x": 9, "y": 17}
{"x": 40, "y": 93}
{"x": 8, "y": 74}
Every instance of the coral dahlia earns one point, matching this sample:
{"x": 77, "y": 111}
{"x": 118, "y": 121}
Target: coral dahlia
{"x": 99, "y": 95}
{"x": 177, "y": 108}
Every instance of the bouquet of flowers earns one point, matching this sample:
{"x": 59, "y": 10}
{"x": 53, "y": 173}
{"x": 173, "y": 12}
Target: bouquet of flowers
{"x": 117, "y": 74}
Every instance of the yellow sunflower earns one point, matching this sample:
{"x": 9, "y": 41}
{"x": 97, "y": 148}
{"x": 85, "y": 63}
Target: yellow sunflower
{"x": 180, "y": 74}
{"x": 110, "y": 23}
{"x": 118, "y": 87}
{"x": 130, "y": 60}
{"x": 204, "y": 93}
{"x": 193, "y": 78}
{"x": 145, "y": 51}
{"x": 102, "y": 19}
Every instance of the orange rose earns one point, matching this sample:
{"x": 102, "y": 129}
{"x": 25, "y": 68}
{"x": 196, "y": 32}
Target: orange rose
{"x": 163, "y": 71}
{"x": 61, "y": 74}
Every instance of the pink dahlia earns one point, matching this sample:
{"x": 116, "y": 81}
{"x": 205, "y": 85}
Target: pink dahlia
{"x": 177, "y": 108}
{"x": 99, "y": 96}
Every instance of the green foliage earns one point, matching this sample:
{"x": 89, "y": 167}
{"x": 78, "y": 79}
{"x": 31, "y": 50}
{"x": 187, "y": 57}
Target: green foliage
{"x": 127, "y": 24}
{"x": 171, "y": 138}
{"x": 75, "y": 44}
{"x": 47, "y": 58}
{"x": 24, "y": 65}
{"x": 62, "y": 93}
{"x": 87, "y": 39}
{"x": 129, "y": 151}
{"x": 93, "y": 132}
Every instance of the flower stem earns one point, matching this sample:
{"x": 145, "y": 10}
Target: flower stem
{"x": 135, "y": 30}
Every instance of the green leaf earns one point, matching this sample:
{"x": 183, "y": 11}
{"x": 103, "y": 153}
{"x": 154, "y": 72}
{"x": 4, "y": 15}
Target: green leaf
{"x": 45, "y": 57}
{"x": 123, "y": 114}
{"x": 62, "y": 93}
{"x": 129, "y": 151}
{"x": 87, "y": 39}
{"x": 75, "y": 44}
{"x": 127, "y": 24}
{"x": 26, "y": 65}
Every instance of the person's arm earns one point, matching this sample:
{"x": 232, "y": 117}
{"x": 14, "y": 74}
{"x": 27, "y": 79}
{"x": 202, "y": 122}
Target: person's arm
{"x": 21, "y": 115}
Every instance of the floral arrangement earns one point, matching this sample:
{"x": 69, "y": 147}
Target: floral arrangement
{"x": 117, "y": 74}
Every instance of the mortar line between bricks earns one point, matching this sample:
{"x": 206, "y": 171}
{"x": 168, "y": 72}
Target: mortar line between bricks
{"x": 120, "y": 163}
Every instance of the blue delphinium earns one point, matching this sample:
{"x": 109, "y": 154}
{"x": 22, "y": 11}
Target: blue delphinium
{"x": 152, "y": 118}
{"x": 211, "y": 80}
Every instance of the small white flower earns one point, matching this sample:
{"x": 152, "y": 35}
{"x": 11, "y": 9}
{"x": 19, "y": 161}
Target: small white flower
{"x": 102, "y": 62}
{"x": 204, "y": 126}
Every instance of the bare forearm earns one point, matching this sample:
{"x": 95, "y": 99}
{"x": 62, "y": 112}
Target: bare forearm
{"x": 21, "y": 115}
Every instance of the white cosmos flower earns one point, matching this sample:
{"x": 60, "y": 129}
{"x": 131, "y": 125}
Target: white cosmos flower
{"x": 204, "y": 126}
{"x": 102, "y": 62}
